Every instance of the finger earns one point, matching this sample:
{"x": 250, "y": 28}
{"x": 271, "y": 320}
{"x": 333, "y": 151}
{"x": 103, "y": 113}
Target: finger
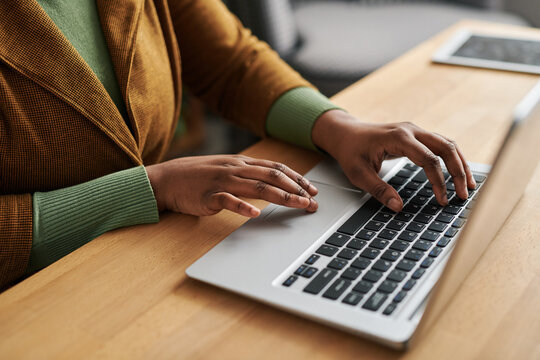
{"x": 223, "y": 200}
{"x": 370, "y": 181}
{"x": 273, "y": 177}
{"x": 296, "y": 177}
{"x": 471, "y": 183}
{"x": 257, "y": 189}
{"x": 447, "y": 150}
{"x": 419, "y": 154}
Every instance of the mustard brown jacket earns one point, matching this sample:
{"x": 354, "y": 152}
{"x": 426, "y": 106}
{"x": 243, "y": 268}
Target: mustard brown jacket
{"x": 58, "y": 125}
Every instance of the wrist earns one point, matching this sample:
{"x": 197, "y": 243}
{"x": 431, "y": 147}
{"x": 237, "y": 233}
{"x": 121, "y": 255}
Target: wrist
{"x": 327, "y": 132}
{"x": 154, "y": 176}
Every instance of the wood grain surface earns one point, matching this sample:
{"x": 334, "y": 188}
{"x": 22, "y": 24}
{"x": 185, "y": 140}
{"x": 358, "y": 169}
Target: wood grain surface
{"x": 125, "y": 295}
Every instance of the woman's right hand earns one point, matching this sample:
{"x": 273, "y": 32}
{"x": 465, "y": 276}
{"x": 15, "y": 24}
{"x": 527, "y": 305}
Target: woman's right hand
{"x": 204, "y": 185}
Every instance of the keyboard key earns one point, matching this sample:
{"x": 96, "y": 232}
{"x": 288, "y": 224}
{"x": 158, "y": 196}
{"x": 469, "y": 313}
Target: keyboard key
{"x": 360, "y": 217}
{"x": 405, "y": 173}
{"x": 351, "y": 273}
{"x": 300, "y": 270}
{"x": 347, "y": 254}
{"x": 416, "y": 227}
{"x": 445, "y": 218}
{"x": 423, "y": 218}
{"x": 479, "y": 178}
{"x": 374, "y": 225}
{"x": 452, "y": 209}
{"x": 395, "y": 225}
{"x": 420, "y": 200}
{"x": 409, "y": 284}
{"x": 320, "y": 281}
{"x": 361, "y": 263}
{"x": 352, "y": 298}
{"x": 375, "y": 301}
{"x": 379, "y": 243}
{"x": 406, "y": 193}
{"x": 421, "y": 177}
{"x": 414, "y": 255}
{"x": 312, "y": 259}
{"x": 405, "y": 265}
{"x": 384, "y": 217}
{"x": 397, "y": 180}
{"x": 412, "y": 208}
{"x": 338, "y": 239}
{"x": 399, "y": 245}
{"x": 451, "y": 232}
{"x": 459, "y": 223}
{"x": 370, "y": 253}
{"x": 337, "y": 288}
{"x": 309, "y": 272}
{"x": 422, "y": 245}
{"x": 443, "y": 242}
{"x": 363, "y": 286}
{"x": 408, "y": 236}
{"x": 391, "y": 255}
{"x": 399, "y": 296}
{"x": 450, "y": 186}
{"x": 411, "y": 167}
{"x": 387, "y": 286}
{"x": 437, "y": 226}
{"x": 388, "y": 234}
{"x": 418, "y": 273}
{"x": 337, "y": 264}
{"x": 430, "y": 235}
{"x": 397, "y": 275}
{"x": 382, "y": 265}
{"x": 413, "y": 185}
{"x": 365, "y": 234}
{"x": 290, "y": 280}
{"x": 390, "y": 309}
{"x": 431, "y": 209}
{"x": 373, "y": 276}
{"x": 427, "y": 262}
{"x": 436, "y": 252}
{"x": 403, "y": 216}
{"x": 357, "y": 244}
{"x": 426, "y": 192}
{"x": 327, "y": 250}
{"x": 465, "y": 214}
{"x": 457, "y": 201}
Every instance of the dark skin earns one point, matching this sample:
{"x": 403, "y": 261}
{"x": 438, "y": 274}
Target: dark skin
{"x": 204, "y": 185}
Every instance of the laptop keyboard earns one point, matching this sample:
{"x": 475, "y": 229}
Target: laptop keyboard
{"x": 377, "y": 256}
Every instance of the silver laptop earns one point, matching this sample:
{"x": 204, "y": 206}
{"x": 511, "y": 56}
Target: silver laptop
{"x": 357, "y": 266}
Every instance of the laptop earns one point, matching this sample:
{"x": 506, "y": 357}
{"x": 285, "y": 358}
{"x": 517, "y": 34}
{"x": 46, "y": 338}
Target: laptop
{"x": 356, "y": 265}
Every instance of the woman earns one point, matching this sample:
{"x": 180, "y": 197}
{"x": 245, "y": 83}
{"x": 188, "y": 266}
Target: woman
{"x": 90, "y": 92}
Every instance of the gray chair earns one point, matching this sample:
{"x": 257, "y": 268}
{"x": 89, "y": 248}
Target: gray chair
{"x": 333, "y": 43}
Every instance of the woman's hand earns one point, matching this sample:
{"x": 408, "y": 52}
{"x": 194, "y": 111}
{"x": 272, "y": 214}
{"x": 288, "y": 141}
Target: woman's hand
{"x": 204, "y": 185}
{"x": 360, "y": 148}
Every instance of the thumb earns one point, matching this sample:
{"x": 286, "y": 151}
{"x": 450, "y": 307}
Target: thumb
{"x": 381, "y": 191}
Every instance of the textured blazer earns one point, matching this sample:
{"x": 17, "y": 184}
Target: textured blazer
{"x": 58, "y": 125}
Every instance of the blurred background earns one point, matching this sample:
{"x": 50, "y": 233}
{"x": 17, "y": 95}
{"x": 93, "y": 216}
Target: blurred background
{"x": 334, "y": 43}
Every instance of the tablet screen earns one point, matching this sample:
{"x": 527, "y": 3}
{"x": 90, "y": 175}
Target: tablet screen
{"x": 526, "y": 52}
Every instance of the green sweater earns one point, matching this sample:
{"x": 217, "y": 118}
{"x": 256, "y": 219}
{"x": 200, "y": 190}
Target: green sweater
{"x": 68, "y": 218}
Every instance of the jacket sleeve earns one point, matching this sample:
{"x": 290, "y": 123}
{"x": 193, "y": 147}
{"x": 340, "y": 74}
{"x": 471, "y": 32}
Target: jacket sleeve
{"x": 237, "y": 75}
{"x": 15, "y": 236}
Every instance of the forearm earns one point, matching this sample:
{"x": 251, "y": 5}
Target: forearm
{"x": 66, "y": 219}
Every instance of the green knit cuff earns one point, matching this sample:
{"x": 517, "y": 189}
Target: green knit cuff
{"x": 68, "y": 218}
{"x": 292, "y": 116}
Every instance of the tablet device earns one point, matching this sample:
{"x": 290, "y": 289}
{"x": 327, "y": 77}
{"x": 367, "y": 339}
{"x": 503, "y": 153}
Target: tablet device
{"x": 509, "y": 53}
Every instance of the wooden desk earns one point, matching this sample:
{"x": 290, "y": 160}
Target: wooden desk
{"x": 125, "y": 295}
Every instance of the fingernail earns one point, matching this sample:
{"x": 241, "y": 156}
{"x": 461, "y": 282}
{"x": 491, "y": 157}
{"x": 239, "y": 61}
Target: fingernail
{"x": 394, "y": 204}
{"x": 254, "y": 212}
